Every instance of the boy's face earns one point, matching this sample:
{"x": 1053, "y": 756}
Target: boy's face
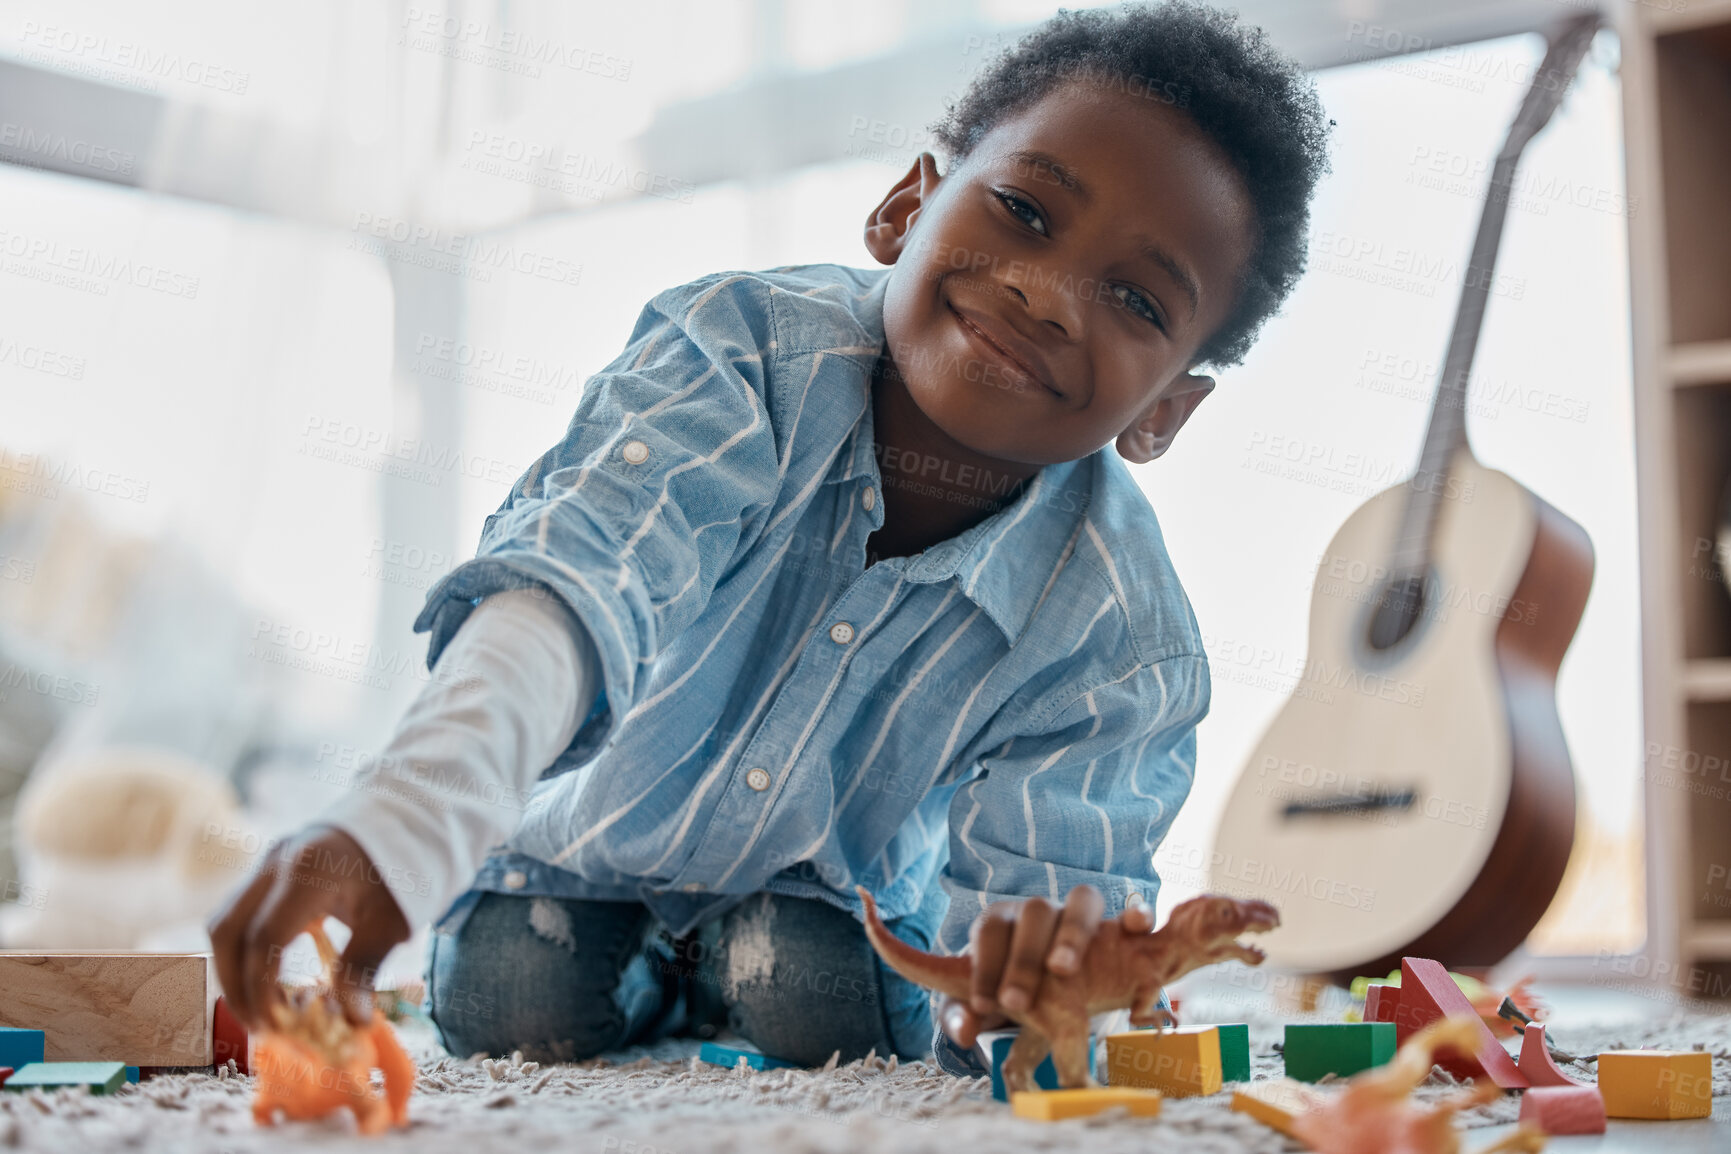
{"x": 1050, "y": 292}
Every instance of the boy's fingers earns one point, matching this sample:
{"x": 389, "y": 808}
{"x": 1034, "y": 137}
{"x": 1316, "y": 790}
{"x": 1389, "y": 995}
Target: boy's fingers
{"x": 228, "y": 944}
{"x": 959, "y": 1022}
{"x": 287, "y": 910}
{"x": 1076, "y": 927}
{"x": 357, "y": 973}
{"x": 1138, "y": 917}
{"x": 991, "y": 947}
{"x": 1027, "y": 957}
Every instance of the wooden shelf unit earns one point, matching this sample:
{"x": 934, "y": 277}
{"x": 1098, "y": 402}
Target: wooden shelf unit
{"x": 1676, "y": 73}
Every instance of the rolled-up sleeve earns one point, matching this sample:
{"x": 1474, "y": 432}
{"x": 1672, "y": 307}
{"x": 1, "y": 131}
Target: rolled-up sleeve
{"x": 632, "y": 518}
{"x": 1085, "y": 797}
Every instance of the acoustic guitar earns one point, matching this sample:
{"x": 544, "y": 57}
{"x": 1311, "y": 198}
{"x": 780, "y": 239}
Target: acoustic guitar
{"x": 1414, "y": 795}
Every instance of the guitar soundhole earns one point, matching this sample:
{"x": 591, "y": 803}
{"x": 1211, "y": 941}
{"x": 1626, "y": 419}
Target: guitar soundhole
{"x": 1376, "y": 800}
{"x": 1397, "y": 611}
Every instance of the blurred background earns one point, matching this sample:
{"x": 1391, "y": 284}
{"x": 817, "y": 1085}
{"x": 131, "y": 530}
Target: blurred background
{"x": 289, "y": 295}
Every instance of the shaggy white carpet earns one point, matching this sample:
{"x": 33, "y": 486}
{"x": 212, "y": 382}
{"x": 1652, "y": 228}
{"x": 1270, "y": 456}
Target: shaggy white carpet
{"x": 661, "y": 1100}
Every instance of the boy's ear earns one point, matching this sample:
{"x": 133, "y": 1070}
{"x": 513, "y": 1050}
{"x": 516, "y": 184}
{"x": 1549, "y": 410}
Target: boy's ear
{"x": 1152, "y": 432}
{"x": 890, "y": 224}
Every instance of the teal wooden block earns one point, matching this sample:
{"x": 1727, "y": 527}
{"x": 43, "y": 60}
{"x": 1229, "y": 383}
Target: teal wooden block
{"x": 19, "y": 1048}
{"x": 101, "y": 1077}
{"x": 729, "y": 1056}
{"x": 995, "y": 1045}
{"x": 1235, "y": 1052}
{"x": 1338, "y": 1048}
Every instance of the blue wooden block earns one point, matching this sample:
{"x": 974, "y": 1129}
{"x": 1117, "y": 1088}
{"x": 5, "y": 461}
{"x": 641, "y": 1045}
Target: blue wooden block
{"x": 132, "y": 1073}
{"x": 19, "y": 1048}
{"x": 719, "y": 1055}
{"x": 101, "y": 1077}
{"x": 995, "y": 1045}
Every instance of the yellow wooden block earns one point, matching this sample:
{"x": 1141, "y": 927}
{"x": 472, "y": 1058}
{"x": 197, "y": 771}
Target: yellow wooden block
{"x": 1051, "y": 1105}
{"x": 1656, "y": 1083}
{"x": 1277, "y": 1102}
{"x": 1180, "y": 1063}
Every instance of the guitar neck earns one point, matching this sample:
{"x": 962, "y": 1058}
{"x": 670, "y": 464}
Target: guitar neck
{"x": 1447, "y": 431}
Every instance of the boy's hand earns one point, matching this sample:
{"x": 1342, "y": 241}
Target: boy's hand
{"x": 1015, "y": 943}
{"x": 320, "y": 872}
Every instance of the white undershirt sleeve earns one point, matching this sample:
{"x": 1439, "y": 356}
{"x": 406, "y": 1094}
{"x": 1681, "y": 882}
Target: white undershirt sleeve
{"x": 505, "y": 699}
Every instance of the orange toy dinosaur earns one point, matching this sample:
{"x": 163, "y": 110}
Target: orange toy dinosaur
{"x": 1374, "y": 1115}
{"x": 1119, "y": 971}
{"x": 314, "y": 1062}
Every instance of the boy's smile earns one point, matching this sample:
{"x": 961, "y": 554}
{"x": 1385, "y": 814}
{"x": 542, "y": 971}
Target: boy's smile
{"x": 1051, "y": 291}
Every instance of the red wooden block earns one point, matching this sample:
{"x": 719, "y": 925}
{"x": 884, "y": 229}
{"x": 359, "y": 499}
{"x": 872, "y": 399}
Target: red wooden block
{"x": 1537, "y": 1065}
{"x": 1427, "y": 993}
{"x": 228, "y": 1038}
{"x": 1574, "y": 1109}
{"x": 5, "y": 1073}
{"x": 1380, "y": 1003}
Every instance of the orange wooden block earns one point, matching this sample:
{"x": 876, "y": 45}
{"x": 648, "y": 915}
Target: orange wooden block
{"x": 1277, "y": 1102}
{"x": 1053, "y": 1105}
{"x": 1180, "y": 1063}
{"x": 1656, "y": 1083}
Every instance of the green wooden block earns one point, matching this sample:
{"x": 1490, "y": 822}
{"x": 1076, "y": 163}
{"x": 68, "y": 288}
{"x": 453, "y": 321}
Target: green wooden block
{"x": 1338, "y": 1048}
{"x": 1234, "y": 1052}
{"x": 101, "y": 1077}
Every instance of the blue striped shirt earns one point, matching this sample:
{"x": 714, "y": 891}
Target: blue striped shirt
{"x": 1009, "y": 713}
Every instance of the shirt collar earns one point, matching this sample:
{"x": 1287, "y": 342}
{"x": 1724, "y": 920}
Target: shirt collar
{"x": 1003, "y": 563}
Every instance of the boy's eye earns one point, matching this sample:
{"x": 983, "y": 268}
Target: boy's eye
{"x": 1022, "y": 210}
{"x": 1137, "y": 303}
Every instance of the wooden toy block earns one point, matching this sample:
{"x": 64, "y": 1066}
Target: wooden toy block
{"x": 1564, "y": 1109}
{"x": 1339, "y": 1048}
{"x": 1277, "y": 1102}
{"x": 1053, "y": 1105}
{"x": 1536, "y": 1063}
{"x": 143, "y": 1009}
{"x": 228, "y": 1039}
{"x": 995, "y": 1046}
{"x": 1180, "y": 1063}
{"x": 132, "y": 1074}
{"x": 5, "y": 1073}
{"x": 20, "y": 1047}
{"x": 1428, "y": 993}
{"x": 101, "y": 1077}
{"x": 1234, "y": 1052}
{"x": 729, "y": 1056}
{"x": 1381, "y": 1000}
{"x": 1656, "y": 1083}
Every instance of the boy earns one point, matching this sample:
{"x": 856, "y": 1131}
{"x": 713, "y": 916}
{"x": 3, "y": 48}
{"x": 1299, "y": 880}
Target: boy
{"x": 833, "y": 580}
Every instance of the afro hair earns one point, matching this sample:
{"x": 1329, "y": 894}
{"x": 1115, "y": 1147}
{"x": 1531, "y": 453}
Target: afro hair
{"x": 1256, "y": 104}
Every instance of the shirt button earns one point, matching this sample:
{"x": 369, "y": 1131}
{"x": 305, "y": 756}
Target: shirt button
{"x": 693, "y": 887}
{"x": 841, "y": 633}
{"x": 868, "y": 498}
{"x": 758, "y": 779}
{"x": 516, "y": 880}
{"x": 635, "y": 451}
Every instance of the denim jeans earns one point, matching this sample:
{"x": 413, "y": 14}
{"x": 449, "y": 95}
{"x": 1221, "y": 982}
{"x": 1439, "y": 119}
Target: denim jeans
{"x": 563, "y": 979}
